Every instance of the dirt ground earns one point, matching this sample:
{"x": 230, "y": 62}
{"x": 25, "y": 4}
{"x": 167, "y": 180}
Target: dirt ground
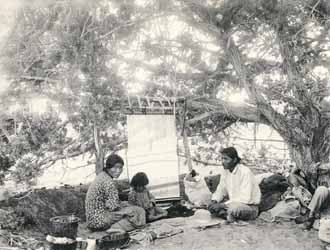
{"x": 257, "y": 235}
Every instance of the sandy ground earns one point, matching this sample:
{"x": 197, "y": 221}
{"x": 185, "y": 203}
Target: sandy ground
{"x": 257, "y": 235}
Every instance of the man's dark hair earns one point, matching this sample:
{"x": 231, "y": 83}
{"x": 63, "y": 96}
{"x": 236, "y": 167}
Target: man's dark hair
{"x": 112, "y": 160}
{"x": 232, "y": 153}
{"x": 139, "y": 179}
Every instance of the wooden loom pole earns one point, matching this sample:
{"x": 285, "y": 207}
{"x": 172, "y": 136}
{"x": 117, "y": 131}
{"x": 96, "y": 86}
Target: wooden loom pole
{"x": 99, "y": 151}
{"x": 185, "y": 139}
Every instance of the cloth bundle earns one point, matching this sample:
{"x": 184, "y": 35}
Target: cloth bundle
{"x": 197, "y": 191}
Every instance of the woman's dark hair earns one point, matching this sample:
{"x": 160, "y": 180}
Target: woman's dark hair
{"x": 139, "y": 179}
{"x": 112, "y": 160}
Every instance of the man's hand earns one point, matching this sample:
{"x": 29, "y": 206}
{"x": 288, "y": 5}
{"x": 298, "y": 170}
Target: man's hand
{"x": 211, "y": 203}
{"x": 215, "y": 207}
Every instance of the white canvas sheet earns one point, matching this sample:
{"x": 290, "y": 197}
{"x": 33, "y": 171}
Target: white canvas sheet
{"x": 152, "y": 148}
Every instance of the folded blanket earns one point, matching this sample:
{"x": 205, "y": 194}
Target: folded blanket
{"x": 287, "y": 209}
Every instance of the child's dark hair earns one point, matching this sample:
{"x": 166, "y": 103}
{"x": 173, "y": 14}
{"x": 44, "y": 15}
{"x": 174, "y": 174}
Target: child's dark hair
{"x": 193, "y": 173}
{"x": 139, "y": 179}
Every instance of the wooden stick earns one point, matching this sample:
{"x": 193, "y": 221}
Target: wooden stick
{"x": 185, "y": 139}
{"x": 10, "y": 248}
{"x": 99, "y": 151}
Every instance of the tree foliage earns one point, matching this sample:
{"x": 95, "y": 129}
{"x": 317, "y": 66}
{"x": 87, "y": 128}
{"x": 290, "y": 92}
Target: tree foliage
{"x": 89, "y": 56}
{"x": 32, "y": 138}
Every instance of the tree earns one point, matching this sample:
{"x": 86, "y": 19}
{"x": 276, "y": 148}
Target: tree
{"x": 274, "y": 51}
{"x": 304, "y": 121}
{"x": 281, "y": 75}
{"x": 57, "y": 50}
{"x": 29, "y": 140}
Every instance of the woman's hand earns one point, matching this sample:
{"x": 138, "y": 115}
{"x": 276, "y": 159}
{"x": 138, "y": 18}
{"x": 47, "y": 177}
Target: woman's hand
{"x": 152, "y": 203}
{"x": 117, "y": 216}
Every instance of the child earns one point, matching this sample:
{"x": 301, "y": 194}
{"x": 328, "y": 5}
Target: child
{"x": 140, "y": 196}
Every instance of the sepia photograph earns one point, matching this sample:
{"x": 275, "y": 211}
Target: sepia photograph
{"x": 164, "y": 124}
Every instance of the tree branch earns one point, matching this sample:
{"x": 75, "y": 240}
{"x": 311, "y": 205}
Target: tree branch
{"x": 5, "y": 132}
{"x": 60, "y": 156}
{"x": 206, "y": 163}
{"x": 276, "y": 120}
{"x": 37, "y": 78}
{"x": 239, "y": 112}
{"x": 130, "y": 24}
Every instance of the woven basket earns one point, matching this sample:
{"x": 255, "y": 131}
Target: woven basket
{"x": 64, "y": 226}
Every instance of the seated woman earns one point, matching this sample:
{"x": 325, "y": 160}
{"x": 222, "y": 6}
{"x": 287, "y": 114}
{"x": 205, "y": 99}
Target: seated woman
{"x": 140, "y": 196}
{"x": 104, "y": 210}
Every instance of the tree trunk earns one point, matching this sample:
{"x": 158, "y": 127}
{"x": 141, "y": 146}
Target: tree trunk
{"x": 307, "y": 157}
{"x": 301, "y": 155}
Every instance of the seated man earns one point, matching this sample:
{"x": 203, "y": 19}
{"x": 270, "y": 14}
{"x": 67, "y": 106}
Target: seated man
{"x": 319, "y": 202}
{"x": 239, "y": 186}
{"x": 321, "y": 197}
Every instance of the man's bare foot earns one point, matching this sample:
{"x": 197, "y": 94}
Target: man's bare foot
{"x": 230, "y": 219}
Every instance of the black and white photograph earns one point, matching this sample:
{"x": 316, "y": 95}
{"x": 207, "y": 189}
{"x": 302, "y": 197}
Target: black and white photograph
{"x": 164, "y": 124}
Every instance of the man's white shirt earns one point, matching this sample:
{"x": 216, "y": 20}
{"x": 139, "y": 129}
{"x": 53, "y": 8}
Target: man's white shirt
{"x": 239, "y": 186}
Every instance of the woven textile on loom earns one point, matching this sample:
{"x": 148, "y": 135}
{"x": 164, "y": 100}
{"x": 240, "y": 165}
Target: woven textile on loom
{"x": 152, "y": 148}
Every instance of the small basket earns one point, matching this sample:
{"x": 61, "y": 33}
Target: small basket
{"x": 64, "y": 226}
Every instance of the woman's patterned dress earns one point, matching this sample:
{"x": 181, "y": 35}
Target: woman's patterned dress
{"x": 101, "y": 199}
